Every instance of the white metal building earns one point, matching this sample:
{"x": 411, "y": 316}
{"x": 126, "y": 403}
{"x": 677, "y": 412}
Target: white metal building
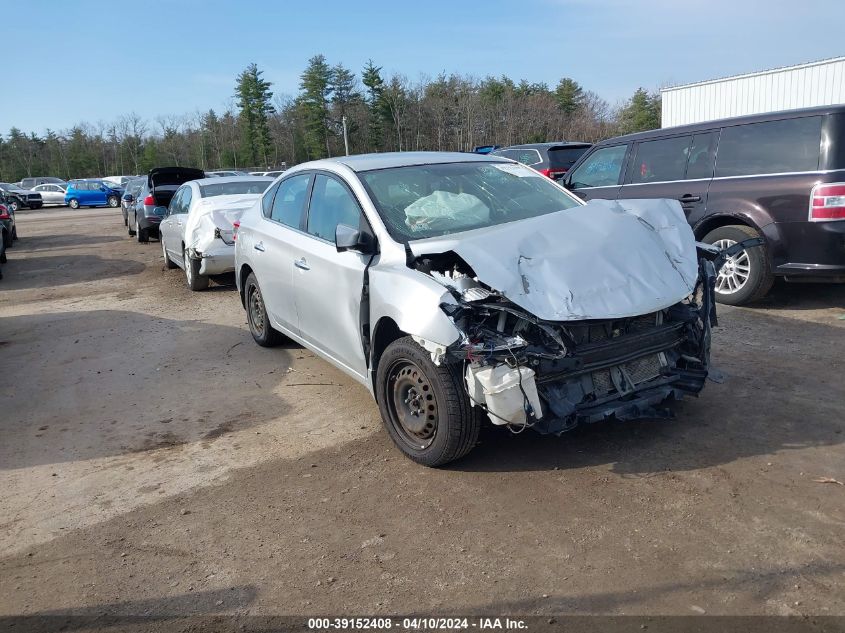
{"x": 803, "y": 86}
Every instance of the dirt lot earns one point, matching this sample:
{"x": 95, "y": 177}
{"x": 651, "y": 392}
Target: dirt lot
{"x": 154, "y": 460}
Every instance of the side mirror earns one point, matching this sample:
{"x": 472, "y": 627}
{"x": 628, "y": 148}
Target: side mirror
{"x": 347, "y": 238}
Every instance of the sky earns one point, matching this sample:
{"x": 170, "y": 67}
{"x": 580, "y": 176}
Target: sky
{"x": 69, "y": 61}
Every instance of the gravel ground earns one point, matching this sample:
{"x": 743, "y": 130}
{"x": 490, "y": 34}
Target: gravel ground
{"x": 154, "y": 460}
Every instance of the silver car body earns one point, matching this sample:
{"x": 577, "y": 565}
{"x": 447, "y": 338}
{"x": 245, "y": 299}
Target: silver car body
{"x": 205, "y": 225}
{"x": 52, "y": 193}
{"x": 600, "y": 261}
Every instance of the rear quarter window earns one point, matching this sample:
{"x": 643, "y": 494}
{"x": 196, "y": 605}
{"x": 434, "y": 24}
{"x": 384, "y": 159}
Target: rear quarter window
{"x": 769, "y": 147}
{"x": 565, "y": 157}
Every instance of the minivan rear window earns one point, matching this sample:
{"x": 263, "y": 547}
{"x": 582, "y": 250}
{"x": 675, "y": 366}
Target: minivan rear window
{"x": 565, "y": 157}
{"x": 770, "y": 147}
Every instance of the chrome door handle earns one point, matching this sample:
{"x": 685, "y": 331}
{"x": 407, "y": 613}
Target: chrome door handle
{"x": 259, "y": 246}
{"x": 301, "y": 263}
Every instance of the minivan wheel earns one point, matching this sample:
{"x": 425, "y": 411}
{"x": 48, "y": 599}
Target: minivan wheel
{"x": 423, "y": 405}
{"x": 192, "y": 272}
{"x": 746, "y": 276}
{"x": 256, "y": 315}
{"x": 113, "y": 202}
{"x": 73, "y": 203}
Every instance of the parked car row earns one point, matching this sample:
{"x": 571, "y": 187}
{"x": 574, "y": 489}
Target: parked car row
{"x": 454, "y": 286}
{"x": 8, "y": 228}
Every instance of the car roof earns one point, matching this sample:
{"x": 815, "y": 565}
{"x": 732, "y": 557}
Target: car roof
{"x": 385, "y": 160}
{"x": 224, "y": 179}
{"x": 549, "y": 145}
{"x": 717, "y": 123}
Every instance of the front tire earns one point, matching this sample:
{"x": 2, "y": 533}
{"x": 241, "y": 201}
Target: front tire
{"x": 14, "y": 206}
{"x": 745, "y": 277}
{"x": 424, "y": 406}
{"x": 73, "y": 204}
{"x": 113, "y": 202}
{"x": 256, "y": 315}
{"x": 192, "y": 272}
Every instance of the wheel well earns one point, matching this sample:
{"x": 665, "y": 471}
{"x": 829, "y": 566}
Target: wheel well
{"x": 719, "y": 221}
{"x": 243, "y": 273}
{"x": 385, "y": 332}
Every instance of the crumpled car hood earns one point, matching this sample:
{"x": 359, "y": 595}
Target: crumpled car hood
{"x": 218, "y": 212}
{"x": 606, "y": 259}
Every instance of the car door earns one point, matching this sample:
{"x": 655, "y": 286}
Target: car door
{"x": 679, "y": 167}
{"x": 169, "y": 231}
{"x": 600, "y": 174}
{"x": 328, "y": 284}
{"x": 272, "y": 250}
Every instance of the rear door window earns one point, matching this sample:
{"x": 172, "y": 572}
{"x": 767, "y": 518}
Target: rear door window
{"x": 701, "y": 156}
{"x": 770, "y": 147}
{"x": 600, "y": 169}
{"x": 290, "y": 200}
{"x": 660, "y": 161}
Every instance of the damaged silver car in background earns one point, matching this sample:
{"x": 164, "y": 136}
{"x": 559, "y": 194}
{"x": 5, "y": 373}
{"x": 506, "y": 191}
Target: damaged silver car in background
{"x": 462, "y": 288}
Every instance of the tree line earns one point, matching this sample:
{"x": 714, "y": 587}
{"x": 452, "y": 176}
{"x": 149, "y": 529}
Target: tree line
{"x": 380, "y": 112}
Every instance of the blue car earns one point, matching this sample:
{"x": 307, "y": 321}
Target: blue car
{"x": 92, "y": 193}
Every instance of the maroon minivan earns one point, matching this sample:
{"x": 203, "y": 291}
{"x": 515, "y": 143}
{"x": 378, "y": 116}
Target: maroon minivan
{"x": 779, "y": 175}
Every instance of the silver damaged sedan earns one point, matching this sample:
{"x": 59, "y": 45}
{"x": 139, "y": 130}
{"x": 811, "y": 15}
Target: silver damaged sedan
{"x": 463, "y": 289}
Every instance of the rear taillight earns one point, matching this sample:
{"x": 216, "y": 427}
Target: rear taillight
{"x": 235, "y": 226}
{"x": 4, "y": 215}
{"x": 148, "y": 201}
{"x": 827, "y": 202}
{"x": 546, "y": 172}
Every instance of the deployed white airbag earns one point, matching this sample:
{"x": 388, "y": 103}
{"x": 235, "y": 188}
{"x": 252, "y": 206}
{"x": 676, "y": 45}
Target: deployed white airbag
{"x": 606, "y": 259}
{"x": 443, "y": 210}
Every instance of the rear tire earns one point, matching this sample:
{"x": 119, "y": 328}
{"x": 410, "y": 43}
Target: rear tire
{"x": 7, "y": 239}
{"x": 424, "y": 406}
{"x": 195, "y": 281}
{"x": 143, "y": 235}
{"x": 73, "y": 204}
{"x": 751, "y": 265}
{"x": 256, "y": 315}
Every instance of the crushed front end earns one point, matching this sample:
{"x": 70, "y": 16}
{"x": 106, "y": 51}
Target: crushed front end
{"x": 553, "y": 375}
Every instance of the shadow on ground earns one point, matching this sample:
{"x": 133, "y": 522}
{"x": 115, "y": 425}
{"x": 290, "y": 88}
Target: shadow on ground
{"x": 109, "y": 382}
{"x": 61, "y": 270}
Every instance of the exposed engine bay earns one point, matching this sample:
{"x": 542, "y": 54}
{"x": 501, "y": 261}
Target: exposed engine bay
{"x": 524, "y": 371}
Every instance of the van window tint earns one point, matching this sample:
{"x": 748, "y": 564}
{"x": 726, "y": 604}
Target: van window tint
{"x": 701, "y": 155}
{"x": 565, "y": 157}
{"x": 600, "y": 169}
{"x": 290, "y": 200}
{"x": 770, "y": 147}
{"x": 661, "y": 160}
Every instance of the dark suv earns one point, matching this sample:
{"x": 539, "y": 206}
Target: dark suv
{"x": 779, "y": 175}
{"x": 550, "y": 159}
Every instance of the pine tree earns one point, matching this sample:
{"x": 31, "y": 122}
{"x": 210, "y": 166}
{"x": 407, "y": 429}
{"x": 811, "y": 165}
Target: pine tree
{"x": 372, "y": 79}
{"x": 254, "y": 100}
{"x": 316, "y": 86}
{"x": 569, "y": 96}
{"x": 642, "y": 112}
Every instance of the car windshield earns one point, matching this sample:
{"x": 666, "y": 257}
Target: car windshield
{"x": 234, "y": 188}
{"x": 420, "y": 201}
